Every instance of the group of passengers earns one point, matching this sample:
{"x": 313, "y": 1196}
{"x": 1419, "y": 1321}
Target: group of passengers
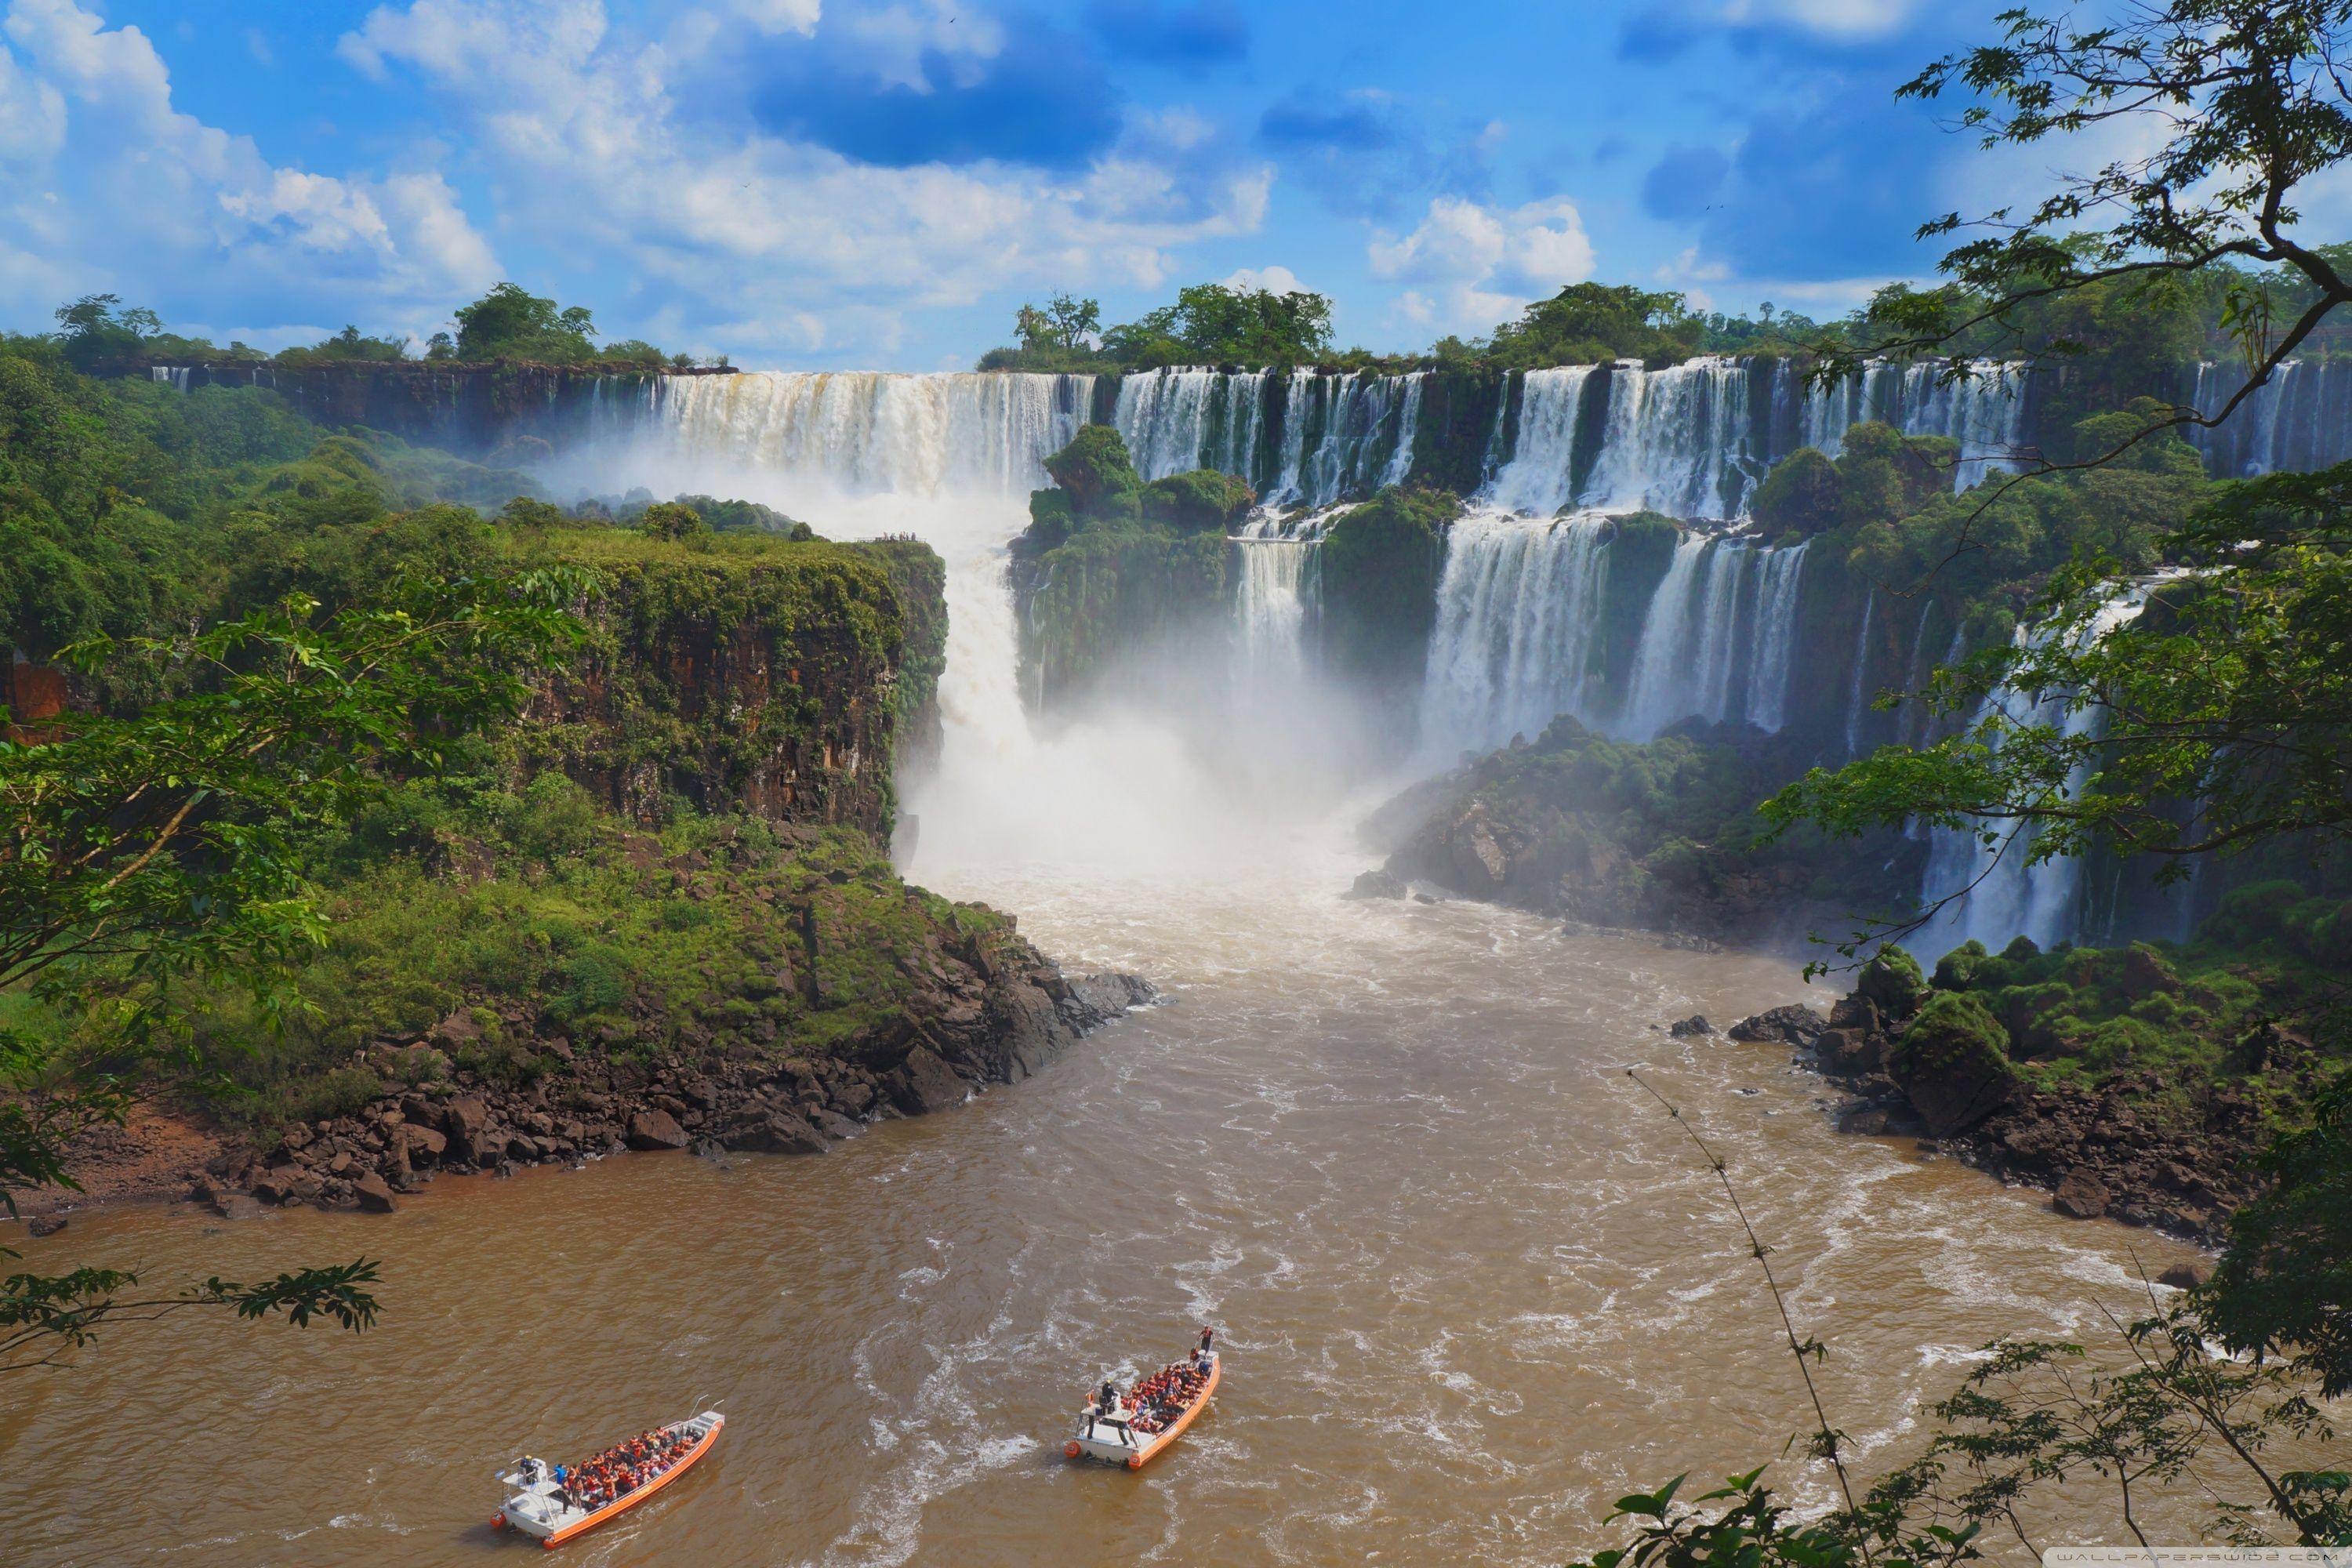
{"x": 621, "y": 1469}
{"x": 1163, "y": 1396}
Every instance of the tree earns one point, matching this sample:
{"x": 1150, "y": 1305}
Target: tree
{"x": 97, "y": 327}
{"x": 1590, "y": 322}
{"x": 2236, "y": 104}
{"x": 147, "y": 855}
{"x": 1212, "y": 324}
{"x": 1064, "y": 324}
{"x": 351, "y": 345}
{"x": 510, "y": 322}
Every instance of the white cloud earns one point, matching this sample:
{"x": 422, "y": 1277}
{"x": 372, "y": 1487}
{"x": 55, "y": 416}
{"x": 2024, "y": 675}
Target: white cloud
{"x": 591, "y": 136}
{"x": 1838, "y": 18}
{"x": 1267, "y": 280}
{"x": 87, "y": 109}
{"x": 1475, "y": 264}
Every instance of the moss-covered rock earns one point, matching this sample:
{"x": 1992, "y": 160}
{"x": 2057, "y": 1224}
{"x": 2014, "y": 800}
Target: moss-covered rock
{"x": 1952, "y": 1062}
{"x": 1099, "y": 475}
{"x": 1201, "y": 501}
{"x": 743, "y": 672}
{"x": 1377, "y": 570}
{"x": 1894, "y": 982}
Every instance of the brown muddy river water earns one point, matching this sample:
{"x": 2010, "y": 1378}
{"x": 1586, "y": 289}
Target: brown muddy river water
{"x": 1469, "y": 1280}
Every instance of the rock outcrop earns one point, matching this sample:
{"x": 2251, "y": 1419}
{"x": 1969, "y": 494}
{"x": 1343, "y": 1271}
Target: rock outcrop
{"x": 994, "y": 1013}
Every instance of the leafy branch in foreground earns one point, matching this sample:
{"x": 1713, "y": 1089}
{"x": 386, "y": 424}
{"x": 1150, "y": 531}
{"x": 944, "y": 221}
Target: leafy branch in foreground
{"x": 2235, "y": 105}
{"x": 45, "y": 1319}
{"x": 141, "y": 851}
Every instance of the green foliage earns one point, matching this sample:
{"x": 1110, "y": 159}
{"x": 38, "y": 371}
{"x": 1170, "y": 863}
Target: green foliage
{"x": 2227, "y": 688}
{"x": 44, "y": 1320}
{"x": 1893, "y": 979}
{"x": 1099, "y": 475}
{"x": 671, "y": 521}
{"x": 1379, "y": 566}
{"x": 1212, "y": 324}
{"x": 1951, "y": 1031}
{"x": 742, "y": 516}
{"x": 1803, "y": 495}
{"x": 346, "y": 347}
{"x": 2285, "y": 1285}
{"x": 512, "y": 322}
{"x": 1592, "y": 324}
{"x": 1204, "y": 501}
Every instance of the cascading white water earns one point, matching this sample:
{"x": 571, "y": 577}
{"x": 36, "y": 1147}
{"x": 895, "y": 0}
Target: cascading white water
{"x": 1343, "y": 436}
{"x": 1273, "y": 613}
{"x": 1691, "y": 442}
{"x": 1984, "y": 411}
{"x": 1776, "y": 643}
{"x": 870, "y": 433}
{"x": 1994, "y": 894}
{"x": 1674, "y": 440}
{"x": 1517, "y": 637}
{"x": 1174, "y": 421}
{"x": 2301, "y": 419}
{"x": 1661, "y": 675}
{"x": 1856, "y": 699}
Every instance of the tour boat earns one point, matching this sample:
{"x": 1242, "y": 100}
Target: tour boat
{"x": 536, "y": 1507}
{"x": 1115, "y": 1438}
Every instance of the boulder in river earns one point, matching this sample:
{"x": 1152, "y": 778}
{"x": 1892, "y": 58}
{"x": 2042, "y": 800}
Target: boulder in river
{"x": 374, "y": 1194}
{"x": 655, "y": 1129}
{"x": 1378, "y": 885}
{"x": 1690, "y": 1027}
{"x": 2081, "y": 1195}
{"x": 924, "y": 1083}
{"x": 1795, "y": 1024}
{"x": 2185, "y": 1276}
{"x": 1952, "y": 1063}
{"x": 48, "y": 1223}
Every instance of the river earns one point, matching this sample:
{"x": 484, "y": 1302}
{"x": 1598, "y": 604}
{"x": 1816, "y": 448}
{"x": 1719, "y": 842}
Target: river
{"x": 1471, "y": 1282}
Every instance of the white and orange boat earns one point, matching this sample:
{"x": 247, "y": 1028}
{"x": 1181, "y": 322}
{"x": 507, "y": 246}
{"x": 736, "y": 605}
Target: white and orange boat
{"x": 1129, "y": 1437}
{"x": 538, "y": 1507}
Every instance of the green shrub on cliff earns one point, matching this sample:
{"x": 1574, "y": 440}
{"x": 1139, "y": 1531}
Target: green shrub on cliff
{"x": 1379, "y": 566}
{"x": 1202, "y": 500}
{"x": 1097, "y": 475}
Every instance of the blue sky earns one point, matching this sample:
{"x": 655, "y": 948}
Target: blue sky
{"x": 805, "y": 183}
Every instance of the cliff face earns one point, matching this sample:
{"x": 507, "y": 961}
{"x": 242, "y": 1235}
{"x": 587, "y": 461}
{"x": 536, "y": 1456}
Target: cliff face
{"x": 748, "y": 674}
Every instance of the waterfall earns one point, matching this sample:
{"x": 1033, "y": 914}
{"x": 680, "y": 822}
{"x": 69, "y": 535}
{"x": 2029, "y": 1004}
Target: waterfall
{"x": 1343, "y": 436}
{"x": 1174, "y": 421}
{"x": 1995, "y": 895}
{"x": 1693, "y": 441}
{"x": 1768, "y": 690}
{"x": 2299, "y": 419}
{"x": 1517, "y": 635}
{"x": 1984, "y": 412}
{"x": 1660, "y": 675}
{"x": 1854, "y": 704}
{"x": 1273, "y": 614}
{"x": 872, "y": 433}
{"x": 175, "y": 376}
{"x": 1408, "y": 427}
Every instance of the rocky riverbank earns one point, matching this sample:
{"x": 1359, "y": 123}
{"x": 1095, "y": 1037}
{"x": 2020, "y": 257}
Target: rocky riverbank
{"x": 2155, "y": 1146}
{"x": 989, "y": 1011}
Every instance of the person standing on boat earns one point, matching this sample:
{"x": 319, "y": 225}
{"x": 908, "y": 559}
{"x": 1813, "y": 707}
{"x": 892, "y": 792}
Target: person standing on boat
{"x": 1208, "y": 1339}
